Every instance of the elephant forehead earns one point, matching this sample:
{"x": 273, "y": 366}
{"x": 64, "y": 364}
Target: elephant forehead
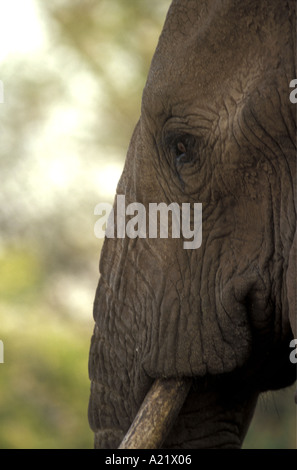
{"x": 209, "y": 48}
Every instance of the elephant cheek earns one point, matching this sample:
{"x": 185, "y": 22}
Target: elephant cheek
{"x": 196, "y": 335}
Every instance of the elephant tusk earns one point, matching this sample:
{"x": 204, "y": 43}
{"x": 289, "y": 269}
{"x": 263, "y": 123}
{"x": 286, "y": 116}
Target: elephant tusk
{"x": 157, "y": 414}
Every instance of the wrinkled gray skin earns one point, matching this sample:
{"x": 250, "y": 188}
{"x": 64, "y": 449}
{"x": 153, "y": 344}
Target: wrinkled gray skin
{"x": 218, "y": 85}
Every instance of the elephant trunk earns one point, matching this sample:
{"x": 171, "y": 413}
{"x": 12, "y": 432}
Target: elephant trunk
{"x": 157, "y": 414}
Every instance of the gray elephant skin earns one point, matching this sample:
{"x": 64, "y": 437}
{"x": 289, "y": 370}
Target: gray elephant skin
{"x": 217, "y": 127}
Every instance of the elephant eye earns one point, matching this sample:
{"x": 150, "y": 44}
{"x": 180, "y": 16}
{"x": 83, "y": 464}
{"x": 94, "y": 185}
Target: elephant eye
{"x": 181, "y": 148}
{"x": 182, "y": 152}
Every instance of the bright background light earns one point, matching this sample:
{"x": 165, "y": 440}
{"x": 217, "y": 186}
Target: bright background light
{"x": 54, "y": 162}
{"x": 21, "y": 28}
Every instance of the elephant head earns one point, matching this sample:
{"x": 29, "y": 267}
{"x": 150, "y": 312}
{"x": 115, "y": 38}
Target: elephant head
{"x": 215, "y": 321}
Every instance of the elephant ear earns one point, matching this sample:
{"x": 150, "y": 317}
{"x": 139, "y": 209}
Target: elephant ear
{"x": 291, "y": 286}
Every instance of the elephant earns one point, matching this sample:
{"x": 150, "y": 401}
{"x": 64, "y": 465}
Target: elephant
{"x": 185, "y": 340}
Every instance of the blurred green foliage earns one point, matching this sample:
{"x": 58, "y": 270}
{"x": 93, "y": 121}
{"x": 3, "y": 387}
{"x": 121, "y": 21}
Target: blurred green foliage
{"x": 43, "y": 381}
{"x": 274, "y": 425}
{"x": 70, "y": 108}
{"x": 69, "y": 112}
